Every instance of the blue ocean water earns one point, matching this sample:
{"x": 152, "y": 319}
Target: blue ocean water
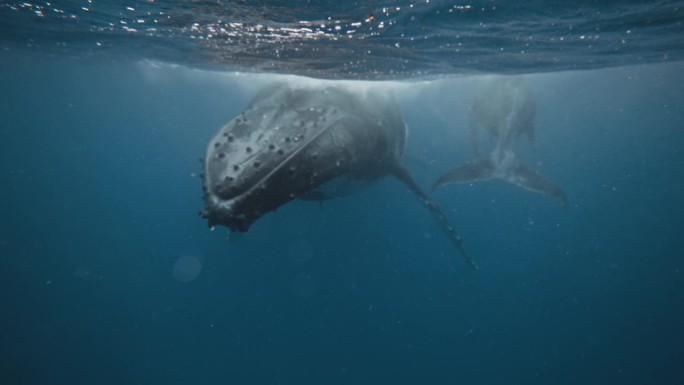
{"x": 108, "y": 276}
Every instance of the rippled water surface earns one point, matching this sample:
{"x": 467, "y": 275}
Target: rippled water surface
{"x": 355, "y": 39}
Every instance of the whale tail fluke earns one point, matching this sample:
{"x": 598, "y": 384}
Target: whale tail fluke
{"x": 472, "y": 171}
{"x": 529, "y": 179}
{"x": 510, "y": 170}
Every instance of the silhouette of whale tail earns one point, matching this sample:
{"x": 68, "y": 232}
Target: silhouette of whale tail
{"x": 510, "y": 169}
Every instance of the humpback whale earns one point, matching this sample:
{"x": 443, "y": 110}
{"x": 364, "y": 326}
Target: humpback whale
{"x": 505, "y": 109}
{"x": 305, "y": 143}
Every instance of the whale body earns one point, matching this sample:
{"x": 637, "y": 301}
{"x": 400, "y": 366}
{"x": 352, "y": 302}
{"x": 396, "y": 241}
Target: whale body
{"x": 305, "y": 143}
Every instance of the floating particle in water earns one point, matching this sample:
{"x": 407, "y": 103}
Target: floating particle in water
{"x": 303, "y": 285}
{"x": 82, "y": 271}
{"x": 186, "y": 268}
{"x": 300, "y": 251}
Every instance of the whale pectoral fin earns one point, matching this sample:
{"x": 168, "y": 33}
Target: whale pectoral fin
{"x": 531, "y": 138}
{"x": 525, "y": 177}
{"x": 403, "y": 175}
{"x": 473, "y": 128}
{"x": 470, "y": 172}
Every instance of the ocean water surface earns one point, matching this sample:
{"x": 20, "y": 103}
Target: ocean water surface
{"x": 109, "y": 276}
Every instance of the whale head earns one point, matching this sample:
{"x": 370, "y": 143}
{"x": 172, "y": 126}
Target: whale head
{"x": 286, "y": 145}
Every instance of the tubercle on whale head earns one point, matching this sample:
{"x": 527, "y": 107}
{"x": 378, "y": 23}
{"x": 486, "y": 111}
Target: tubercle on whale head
{"x": 238, "y": 211}
{"x": 294, "y": 180}
{"x": 271, "y": 154}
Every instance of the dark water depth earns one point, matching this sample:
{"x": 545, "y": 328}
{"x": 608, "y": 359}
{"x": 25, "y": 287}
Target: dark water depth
{"x": 108, "y": 276}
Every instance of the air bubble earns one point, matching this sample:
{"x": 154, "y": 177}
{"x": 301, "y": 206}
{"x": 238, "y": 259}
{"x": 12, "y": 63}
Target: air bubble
{"x": 186, "y": 268}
